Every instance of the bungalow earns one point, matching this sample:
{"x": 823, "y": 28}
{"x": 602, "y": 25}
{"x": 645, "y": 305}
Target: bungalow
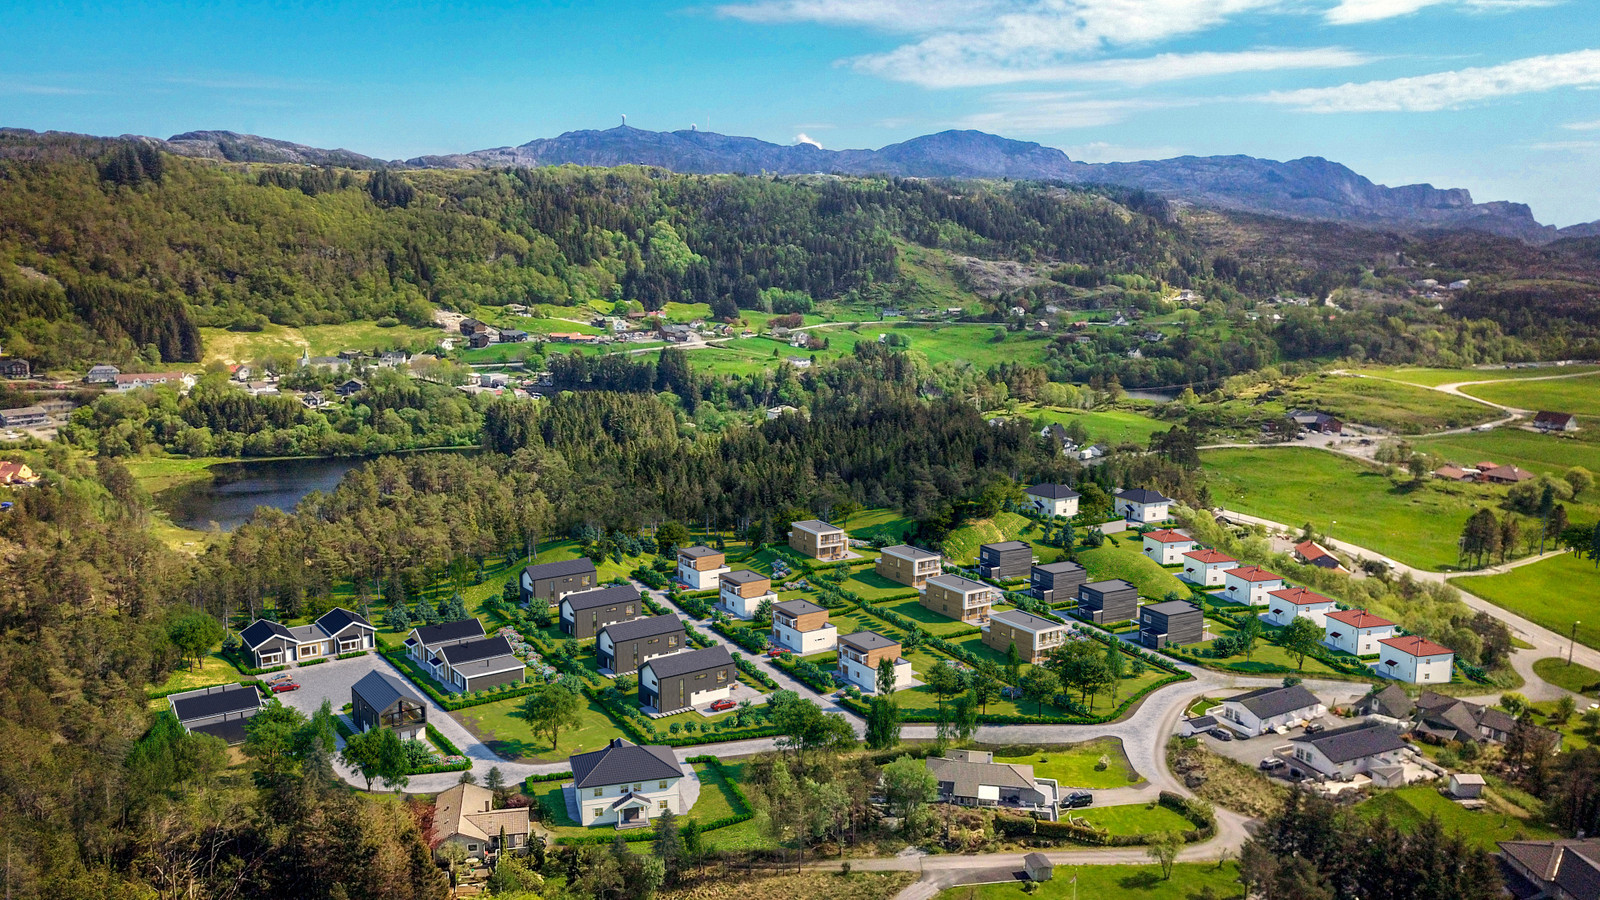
{"x": 1319, "y": 422}
{"x": 818, "y": 540}
{"x": 1250, "y": 584}
{"x": 1170, "y": 624}
{"x": 380, "y": 700}
{"x": 1565, "y": 869}
{"x": 15, "y": 368}
{"x": 1548, "y": 421}
{"x": 973, "y": 778}
{"x": 1206, "y": 568}
{"x": 1004, "y": 560}
{"x": 1455, "y": 473}
{"x": 1053, "y": 500}
{"x": 1056, "y": 581}
{"x": 1105, "y": 602}
{"x": 1167, "y": 547}
{"x": 683, "y": 681}
{"x": 1033, "y": 636}
{"x": 151, "y": 379}
{"x": 908, "y": 565}
{"x": 15, "y": 473}
{"x": 220, "y": 710}
{"x": 1311, "y": 553}
{"x": 1391, "y": 702}
{"x": 24, "y": 417}
{"x": 1368, "y": 748}
{"x": 803, "y": 627}
{"x": 1270, "y": 709}
{"x": 1505, "y": 475}
{"x": 624, "y": 784}
{"x": 622, "y": 647}
{"x": 424, "y": 642}
{"x": 337, "y": 631}
{"x": 743, "y": 592}
{"x": 1454, "y": 719}
{"x": 861, "y": 652}
{"x": 960, "y": 598}
{"x": 1415, "y": 660}
{"x": 583, "y": 614}
{"x": 552, "y": 581}
{"x": 474, "y": 665}
{"x": 1289, "y": 604}
{"x": 1355, "y": 631}
{"x": 700, "y": 567}
{"x": 1141, "y": 505}
{"x": 465, "y": 815}
{"x": 799, "y": 362}
{"x": 102, "y": 374}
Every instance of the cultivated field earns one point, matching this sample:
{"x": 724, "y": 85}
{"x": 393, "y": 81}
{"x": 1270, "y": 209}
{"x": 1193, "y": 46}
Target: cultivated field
{"x": 1554, "y": 593}
{"x": 1579, "y": 395}
{"x": 1403, "y": 408}
{"x": 1434, "y": 377}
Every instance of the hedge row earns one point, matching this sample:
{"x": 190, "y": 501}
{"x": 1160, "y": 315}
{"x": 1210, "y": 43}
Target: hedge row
{"x": 741, "y": 812}
{"x": 449, "y": 701}
{"x": 240, "y": 663}
{"x": 352, "y": 654}
{"x": 860, "y": 707}
{"x": 808, "y": 676}
{"x": 548, "y": 777}
{"x": 640, "y": 728}
{"x": 443, "y": 743}
{"x": 442, "y": 767}
{"x": 754, "y": 671}
{"x": 748, "y": 639}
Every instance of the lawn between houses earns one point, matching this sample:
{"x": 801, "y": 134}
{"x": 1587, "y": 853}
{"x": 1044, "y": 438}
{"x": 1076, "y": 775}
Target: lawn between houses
{"x": 1078, "y": 765}
{"x": 1408, "y": 807}
{"x": 1125, "y": 882}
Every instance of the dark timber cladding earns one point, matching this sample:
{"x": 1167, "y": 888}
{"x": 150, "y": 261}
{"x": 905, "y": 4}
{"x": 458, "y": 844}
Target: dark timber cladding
{"x": 1171, "y": 623}
{"x": 673, "y": 682}
{"x": 550, "y": 581}
{"x": 1008, "y": 559}
{"x": 1056, "y": 581}
{"x": 380, "y": 700}
{"x": 1103, "y": 602}
{"x": 624, "y": 646}
{"x": 583, "y": 614}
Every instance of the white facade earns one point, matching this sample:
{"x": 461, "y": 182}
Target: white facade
{"x": 1245, "y": 722}
{"x": 697, "y": 579}
{"x": 1053, "y": 506}
{"x": 1310, "y": 757}
{"x": 729, "y": 601}
{"x": 1284, "y": 607}
{"x": 599, "y": 805}
{"x": 1205, "y": 568}
{"x": 1250, "y": 584}
{"x": 817, "y": 640}
{"x": 1167, "y": 552}
{"x": 1414, "y": 661}
{"x": 866, "y": 677}
{"x": 1144, "y": 512}
{"x": 1356, "y": 632}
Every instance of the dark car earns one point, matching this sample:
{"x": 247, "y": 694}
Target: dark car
{"x": 281, "y": 687}
{"x": 1221, "y": 734}
{"x": 1315, "y": 728}
{"x": 1077, "y": 800}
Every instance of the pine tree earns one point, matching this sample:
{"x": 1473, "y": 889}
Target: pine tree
{"x": 396, "y": 617}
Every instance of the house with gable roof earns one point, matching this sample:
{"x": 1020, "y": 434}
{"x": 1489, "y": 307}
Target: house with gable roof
{"x": 337, "y": 631}
{"x": 625, "y": 785}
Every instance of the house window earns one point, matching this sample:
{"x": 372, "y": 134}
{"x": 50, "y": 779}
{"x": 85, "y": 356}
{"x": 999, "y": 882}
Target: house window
{"x": 599, "y": 811}
{"x": 662, "y": 785}
{"x": 722, "y": 676}
{"x": 472, "y": 848}
{"x": 639, "y": 787}
{"x": 662, "y": 805}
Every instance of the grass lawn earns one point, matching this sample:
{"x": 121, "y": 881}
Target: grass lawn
{"x": 961, "y": 545}
{"x": 215, "y": 670}
{"x": 508, "y": 735}
{"x": 716, "y": 801}
{"x": 1579, "y": 395}
{"x": 1199, "y": 707}
{"x": 1409, "y": 807}
{"x": 865, "y": 524}
{"x": 1436, "y": 377}
{"x": 1544, "y": 592}
{"x": 1575, "y": 677}
{"x": 1541, "y": 453}
{"x": 1124, "y": 559}
{"x": 1107, "y": 426}
{"x": 931, "y": 622}
{"x": 1188, "y": 881}
{"x": 222, "y": 345}
{"x": 1076, "y": 765}
{"x": 1348, "y": 500}
{"x": 1134, "y": 818}
{"x": 1403, "y": 408}
{"x": 875, "y": 588}
{"x": 1267, "y": 659}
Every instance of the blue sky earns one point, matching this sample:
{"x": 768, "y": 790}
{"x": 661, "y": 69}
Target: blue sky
{"x": 1498, "y": 96}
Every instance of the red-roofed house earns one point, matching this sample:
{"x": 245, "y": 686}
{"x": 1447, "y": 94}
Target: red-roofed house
{"x": 1453, "y": 473}
{"x": 1250, "y": 584}
{"x": 1167, "y": 547}
{"x": 1293, "y": 603}
{"x": 1506, "y": 475}
{"x": 16, "y": 473}
{"x": 1205, "y": 567}
{"x": 1311, "y": 553}
{"x": 1414, "y": 659}
{"x": 1355, "y": 631}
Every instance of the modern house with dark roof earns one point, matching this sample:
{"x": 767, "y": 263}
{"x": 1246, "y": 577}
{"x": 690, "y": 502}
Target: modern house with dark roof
{"x": 742, "y": 592}
{"x": 552, "y": 581}
{"x": 625, "y": 785}
{"x": 1270, "y": 709}
{"x": 220, "y": 710}
{"x": 622, "y": 647}
{"x": 1052, "y": 500}
{"x": 1142, "y": 505}
{"x": 1033, "y": 636}
{"x": 1052, "y": 582}
{"x": 1319, "y": 422}
{"x": 818, "y": 540}
{"x": 700, "y": 567}
{"x": 1567, "y": 869}
{"x": 680, "y": 681}
{"x": 1105, "y": 602}
{"x": 802, "y": 627}
{"x": 1367, "y": 748}
{"x": 337, "y": 631}
{"x": 424, "y": 643}
{"x": 380, "y": 700}
{"x": 973, "y": 778}
{"x": 583, "y": 614}
{"x": 475, "y": 665}
{"x": 1206, "y": 568}
{"x": 960, "y": 598}
{"x": 1170, "y": 624}
{"x": 1005, "y": 560}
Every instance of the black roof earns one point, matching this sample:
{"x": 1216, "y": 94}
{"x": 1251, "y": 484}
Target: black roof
{"x": 448, "y": 632}
{"x": 1171, "y": 608}
{"x": 1353, "y": 741}
{"x": 1005, "y": 546}
{"x": 1113, "y": 584}
{"x": 338, "y": 619}
{"x": 1053, "y": 491}
{"x": 604, "y": 596}
{"x": 1275, "y": 701}
{"x": 649, "y": 626}
{"x": 743, "y": 576}
{"x": 621, "y": 762}
{"x": 471, "y": 651}
{"x": 798, "y": 607}
{"x": 231, "y": 699}
{"x": 1142, "y": 495}
{"x": 381, "y": 690}
{"x": 580, "y": 566}
{"x": 693, "y": 661}
{"x": 258, "y": 632}
{"x": 1060, "y": 568}
{"x": 866, "y": 640}
{"x": 698, "y": 551}
{"x": 1025, "y": 620}
{"x": 231, "y": 730}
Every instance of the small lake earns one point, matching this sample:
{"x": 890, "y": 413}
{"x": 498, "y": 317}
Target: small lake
{"x": 230, "y": 498}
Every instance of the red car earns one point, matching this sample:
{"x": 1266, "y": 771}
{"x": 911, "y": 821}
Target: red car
{"x": 723, "y": 705}
{"x": 284, "y": 687}
{"x": 776, "y": 653}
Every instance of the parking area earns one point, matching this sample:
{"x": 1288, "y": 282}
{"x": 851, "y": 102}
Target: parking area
{"x": 330, "y": 680}
{"x": 738, "y": 693}
{"x": 1252, "y": 751}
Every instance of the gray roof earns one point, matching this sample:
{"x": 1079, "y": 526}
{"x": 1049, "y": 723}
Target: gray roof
{"x": 1275, "y": 701}
{"x": 910, "y": 552}
{"x": 866, "y": 641}
{"x": 1062, "y": 568}
{"x": 1141, "y": 495}
{"x": 1004, "y": 546}
{"x": 957, "y": 583}
{"x": 1342, "y": 745}
{"x": 1392, "y": 701}
{"x": 381, "y": 690}
{"x": 604, "y": 596}
{"x": 1171, "y": 608}
{"x": 259, "y": 631}
{"x": 562, "y": 569}
{"x": 816, "y": 525}
{"x": 338, "y": 619}
{"x": 489, "y": 665}
{"x": 650, "y": 626}
{"x": 744, "y": 576}
{"x": 449, "y": 632}
{"x": 968, "y": 776}
{"x": 1053, "y": 491}
{"x": 472, "y": 651}
{"x": 1025, "y": 620}
{"x": 798, "y": 607}
{"x": 699, "y": 551}
{"x": 693, "y": 661}
{"x": 213, "y": 702}
{"x": 621, "y": 762}
{"x": 1109, "y": 585}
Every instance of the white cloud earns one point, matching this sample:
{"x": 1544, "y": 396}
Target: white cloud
{"x": 1353, "y": 12}
{"x": 1101, "y": 151}
{"x": 1045, "y": 111}
{"x": 1565, "y": 146}
{"x": 1583, "y": 126}
{"x": 1141, "y": 71}
{"x": 803, "y": 138}
{"x": 15, "y": 87}
{"x": 1448, "y": 90}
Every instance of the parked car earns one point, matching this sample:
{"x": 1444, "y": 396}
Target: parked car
{"x": 1077, "y": 800}
{"x": 776, "y": 653}
{"x": 723, "y": 705}
{"x": 1273, "y": 764}
{"x": 1315, "y": 728}
{"x": 282, "y": 687}
{"x": 1221, "y": 734}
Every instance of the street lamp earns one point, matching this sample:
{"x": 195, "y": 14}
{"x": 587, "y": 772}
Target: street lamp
{"x": 1572, "y": 641}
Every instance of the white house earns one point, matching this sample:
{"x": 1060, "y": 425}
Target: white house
{"x": 626, "y": 785}
{"x": 1141, "y": 505}
{"x": 1167, "y": 547}
{"x": 1250, "y": 584}
{"x": 803, "y": 627}
{"x": 1414, "y": 659}
{"x": 1291, "y": 603}
{"x": 1205, "y": 568}
{"x": 1369, "y": 748}
{"x": 1269, "y": 709}
{"x": 1053, "y": 500}
{"x": 1355, "y": 631}
{"x": 743, "y": 592}
{"x": 700, "y": 567}
{"x": 861, "y": 652}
